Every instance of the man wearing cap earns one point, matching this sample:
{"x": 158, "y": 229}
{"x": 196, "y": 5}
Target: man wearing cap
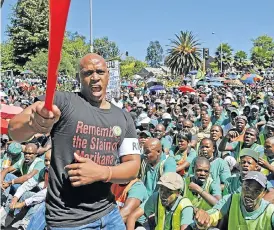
{"x": 254, "y": 119}
{"x": 217, "y": 118}
{"x": 12, "y": 155}
{"x": 248, "y": 162}
{"x": 246, "y": 210}
{"x": 143, "y": 137}
{"x": 166, "y": 141}
{"x": 172, "y": 211}
{"x": 204, "y": 129}
{"x": 168, "y": 123}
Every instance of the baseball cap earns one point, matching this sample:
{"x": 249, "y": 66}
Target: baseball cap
{"x": 153, "y": 122}
{"x": 255, "y": 107}
{"x": 241, "y": 118}
{"x": 257, "y": 176}
{"x": 158, "y": 101}
{"x": 15, "y": 148}
{"x": 206, "y": 104}
{"x": 229, "y": 95}
{"x": 166, "y": 116}
{"x": 235, "y": 104}
{"x": 227, "y": 101}
{"x": 140, "y": 105}
{"x": 147, "y": 133}
{"x": 172, "y": 101}
{"x": 249, "y": 152}
{"x": 171, "y": 180}
{"x": 145, "y": 121}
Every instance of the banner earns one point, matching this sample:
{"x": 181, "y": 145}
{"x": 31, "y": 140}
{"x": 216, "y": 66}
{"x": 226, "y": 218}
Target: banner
{"x": 114, "y": 85}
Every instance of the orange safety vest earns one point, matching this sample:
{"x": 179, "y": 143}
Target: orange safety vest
{"x": 120, "y": 192}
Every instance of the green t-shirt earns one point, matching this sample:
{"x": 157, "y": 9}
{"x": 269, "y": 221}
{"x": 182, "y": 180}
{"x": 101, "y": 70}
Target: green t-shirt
{"x": 138, "y": 191}
{"x": 190, "y": 157}
{"x": 237, "y": 146}
{"x": 224, "y": 205}
{"x": 234, "y": 185}
{"x": 38, "y": 166}
{"x": 219, "y": 170}
{"x": 150, "y": 207}
{"x": 152, "y": 174}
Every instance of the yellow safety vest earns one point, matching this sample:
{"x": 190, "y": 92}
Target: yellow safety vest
{"x": 236, "y": 220}
{"x": 176, "y": 217}
{"x": 197, "y": 200}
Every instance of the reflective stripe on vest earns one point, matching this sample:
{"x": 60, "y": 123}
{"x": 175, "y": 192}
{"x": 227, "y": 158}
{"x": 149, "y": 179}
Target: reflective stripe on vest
{"x": 176, "y": 217}
{"x": 197, "y": 200}
{"x": 120, "y": 192}
{"x": 237, "y": 222}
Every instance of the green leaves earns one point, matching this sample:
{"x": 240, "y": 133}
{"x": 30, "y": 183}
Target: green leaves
{"x": 154, "y": 54}
{"x": 184, "y": 53}
{"x": 131, "y": 66}
{"x": 106, "y": 48}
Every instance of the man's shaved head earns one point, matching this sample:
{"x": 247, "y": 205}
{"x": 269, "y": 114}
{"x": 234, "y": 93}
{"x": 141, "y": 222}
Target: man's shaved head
{"x": 153, "y": 143}
{"x": 271, "y": 140}
{"x": 201, "y": 160}
{"x": 92, "y": 58}
{"x": 31, "y": 147}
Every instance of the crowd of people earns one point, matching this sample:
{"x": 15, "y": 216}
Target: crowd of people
{"x": 207, "y": 158}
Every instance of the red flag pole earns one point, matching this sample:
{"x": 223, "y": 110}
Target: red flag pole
{"x": 58, "y": 13}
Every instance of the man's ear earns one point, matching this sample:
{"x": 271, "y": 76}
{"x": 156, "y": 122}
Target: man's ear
{"x": 258, "y": 167}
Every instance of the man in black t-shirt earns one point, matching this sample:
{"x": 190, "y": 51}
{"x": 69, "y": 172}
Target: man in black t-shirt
{"x": 94, "y": 144}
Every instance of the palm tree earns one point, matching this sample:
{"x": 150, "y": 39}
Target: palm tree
{"x": 227, "y": 57}
{"x": 184, "y": 53}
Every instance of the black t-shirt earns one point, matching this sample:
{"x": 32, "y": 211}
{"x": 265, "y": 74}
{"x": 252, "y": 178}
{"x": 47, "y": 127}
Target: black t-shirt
{"x": 101, "y": 135}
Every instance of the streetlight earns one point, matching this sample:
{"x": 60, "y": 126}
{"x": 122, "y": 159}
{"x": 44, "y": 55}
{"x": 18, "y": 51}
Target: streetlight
{"x": 91, "y": 40}
{"x": 221, "y": 51}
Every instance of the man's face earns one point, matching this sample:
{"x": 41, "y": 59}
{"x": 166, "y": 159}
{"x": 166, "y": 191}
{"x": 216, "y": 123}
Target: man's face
{"x": 151, "y": 153}
{"x": 180, "y": 123}
{"x": 205, "y": 121}
{"x": 217, "y": 112}
{"x": 252, "y": 193}
{"x": 159, "y": 132}
{"x": 167, "y": 196}
{"x": 143, "y": 138}
{"x": 151, "y": 129}
{"x": 250, "y": 137}
{"x": 215, "y": 133}
{"x": 94, "y": 78}
{"x": 254, "y": 113}
{"x": 187, "y": 125}
{"x": 177, "y": 109}
{"x": 206, "y": 149}
{"x": 269, "y": 131}
{"x": 201, "y": 171}
{"x": 240, "y": 125}
{"x": 30, "y": 154}
{"x": 269, "y": 148}
{"x": 131, "y": 96}
{"x": 247, "y": 164}
{"x": 47, "y": 159}
{"x": 197, "y": 111}
{"x": 246, "y": 111}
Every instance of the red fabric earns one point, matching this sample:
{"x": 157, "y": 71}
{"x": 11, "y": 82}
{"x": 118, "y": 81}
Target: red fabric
{"x": 186, "y": 88}
{"x": 46, "y": 179}
{"x": 58, "y": 11}
{"x": 4, "y": 126}
{"x": 9, "y": 111}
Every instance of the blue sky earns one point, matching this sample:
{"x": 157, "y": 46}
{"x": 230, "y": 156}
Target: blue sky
{"x": 133, "y": 24}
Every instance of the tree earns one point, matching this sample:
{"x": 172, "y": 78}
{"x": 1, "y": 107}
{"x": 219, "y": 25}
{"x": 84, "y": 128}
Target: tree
{"x": 262, "y": 53}
{"x": 7, "y": 60}
{"x": 154, "y": 54}
{"x": 74, "y": 47}
{"x": 131, "y": 66}
{"x": 184, "y": 53}
{"x": 240, "y": 60}
{"x": 227, "y": 57}
{"x": 106, "y": 48}
{"x": 29, "y": 29}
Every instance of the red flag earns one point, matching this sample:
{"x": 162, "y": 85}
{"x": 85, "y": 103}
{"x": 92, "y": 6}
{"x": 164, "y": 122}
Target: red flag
{"x": 58, "y": 13}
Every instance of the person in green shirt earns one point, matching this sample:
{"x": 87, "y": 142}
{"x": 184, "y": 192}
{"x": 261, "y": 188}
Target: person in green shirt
{"x": 246, "y": 210}
{"x": 200, "y": 189}
{"x": 154, "y": 164}
{"x": 172, "y": 211}
{"x": 219, "y": 169}
{"x": 184, "y": 154}
{"x": 248, "y": 162}
{"x": 255, "y": 120}
{"x": 267, "y": 132}
{"x": 29, "y": 167}
{"x": 12, "y": 155}
{"x": 250, "y": 139}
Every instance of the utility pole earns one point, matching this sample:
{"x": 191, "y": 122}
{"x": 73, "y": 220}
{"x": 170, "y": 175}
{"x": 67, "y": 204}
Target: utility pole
{"x": 91, "y": 39}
